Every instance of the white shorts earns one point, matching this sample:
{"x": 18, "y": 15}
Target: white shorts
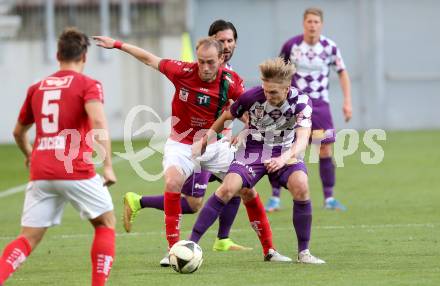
{"x": 45, "y": 200}
{"x": 216, "y": 159}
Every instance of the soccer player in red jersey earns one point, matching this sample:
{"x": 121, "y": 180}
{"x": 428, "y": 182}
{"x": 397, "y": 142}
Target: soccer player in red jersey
{"x": 195, "y": 186}
{"x": 67, "y": 109}
{"x": 203, "y": 90}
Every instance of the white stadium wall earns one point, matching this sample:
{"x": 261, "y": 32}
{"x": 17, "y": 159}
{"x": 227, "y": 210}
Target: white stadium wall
{"x": 390, "y": 48}
{"x": 126, "y": 81}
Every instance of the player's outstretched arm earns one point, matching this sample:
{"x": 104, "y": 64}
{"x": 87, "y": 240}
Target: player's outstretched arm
{"x": 98, "y": 122}
{"x": 344, "y": 80}
{"x": 22, "y": 140}
{"x": 221, "y": 123}
{"x": 142, "y": 55}
{"x": 199, "y": 147}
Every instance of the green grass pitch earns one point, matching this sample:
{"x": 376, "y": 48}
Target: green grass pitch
{"x": 390, "y": 234}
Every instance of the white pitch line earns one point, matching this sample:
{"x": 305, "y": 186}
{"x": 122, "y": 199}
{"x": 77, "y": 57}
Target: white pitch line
{"x": 21, "y": 188}
{"x": 13, "y": 190}
{"x": 331, "y": 227}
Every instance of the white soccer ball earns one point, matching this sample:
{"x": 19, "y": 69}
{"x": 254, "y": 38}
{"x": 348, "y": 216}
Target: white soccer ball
{"x": 186, "y": 256}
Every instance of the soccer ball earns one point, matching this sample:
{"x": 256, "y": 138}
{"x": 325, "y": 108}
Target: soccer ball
{"x": 185, "y": 256}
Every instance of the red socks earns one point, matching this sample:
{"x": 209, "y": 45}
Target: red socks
{"x": 102, "y": 254}
{"x": 14, "y": 254}
{"x": 173, "y": 215}
{"x": 259, "y": 222}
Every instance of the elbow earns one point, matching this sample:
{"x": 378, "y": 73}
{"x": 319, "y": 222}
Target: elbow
{"x": 146, "y": 62}
{"x": 97, "y": 123}
{"x": 18, "y": 137}
{"x": 17, "y": 134}
{"x": 344, "y": 75}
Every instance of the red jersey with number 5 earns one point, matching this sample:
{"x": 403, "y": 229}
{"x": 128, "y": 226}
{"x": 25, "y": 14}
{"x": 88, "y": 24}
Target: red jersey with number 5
{"x": 57, "y": 107}
{"x": 197, "y": 104}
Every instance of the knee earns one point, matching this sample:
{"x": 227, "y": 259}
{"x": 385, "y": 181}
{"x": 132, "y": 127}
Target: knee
{"x": 325, "y": 151}
{"x": 300, "y": 190}
{"x": 231, "y": 185}
{"x": 107, "y": 219}
{"x": 173, "y": 184}
{"x": 194, "y": 203}
{"x": 247, "y": 194}
{"x": 225, "y": 192}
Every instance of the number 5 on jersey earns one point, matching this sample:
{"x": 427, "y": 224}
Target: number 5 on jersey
{"x": 51, "y": 110}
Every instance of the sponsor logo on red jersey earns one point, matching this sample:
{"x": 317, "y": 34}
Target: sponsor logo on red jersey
{"x": 203, "y": 99}
{"x": 56, "y": 82}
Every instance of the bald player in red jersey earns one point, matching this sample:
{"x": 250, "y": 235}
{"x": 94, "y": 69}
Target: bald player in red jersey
{"x": 203, "y": 90}
{"x": 67, "y": 109}
{"x": 196, "y": 185}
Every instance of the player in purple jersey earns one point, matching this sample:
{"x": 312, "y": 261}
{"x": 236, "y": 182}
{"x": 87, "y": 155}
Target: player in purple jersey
{"x": 195, "y": 186}
{"x": 313, "y": 54}
{"x": 278, "y": 134}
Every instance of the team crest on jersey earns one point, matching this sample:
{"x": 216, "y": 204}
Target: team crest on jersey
{"x": 183, "y": 94}
{"x": 259, "y": 111}
{"x": 203, "y": 99}
{"x": 56, "y": 82}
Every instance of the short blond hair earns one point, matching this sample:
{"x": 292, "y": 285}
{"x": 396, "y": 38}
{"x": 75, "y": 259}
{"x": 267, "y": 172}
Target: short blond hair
{"x": 208, "y": 42}
{"x": 277, "y": 70}
{"x": 314, "y": 11}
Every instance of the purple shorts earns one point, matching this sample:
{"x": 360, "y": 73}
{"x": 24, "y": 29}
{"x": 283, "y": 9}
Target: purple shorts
{"x": 252, "y": 173}
{"x": 196, "y": 184}
{"x": 322, "y": 123}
